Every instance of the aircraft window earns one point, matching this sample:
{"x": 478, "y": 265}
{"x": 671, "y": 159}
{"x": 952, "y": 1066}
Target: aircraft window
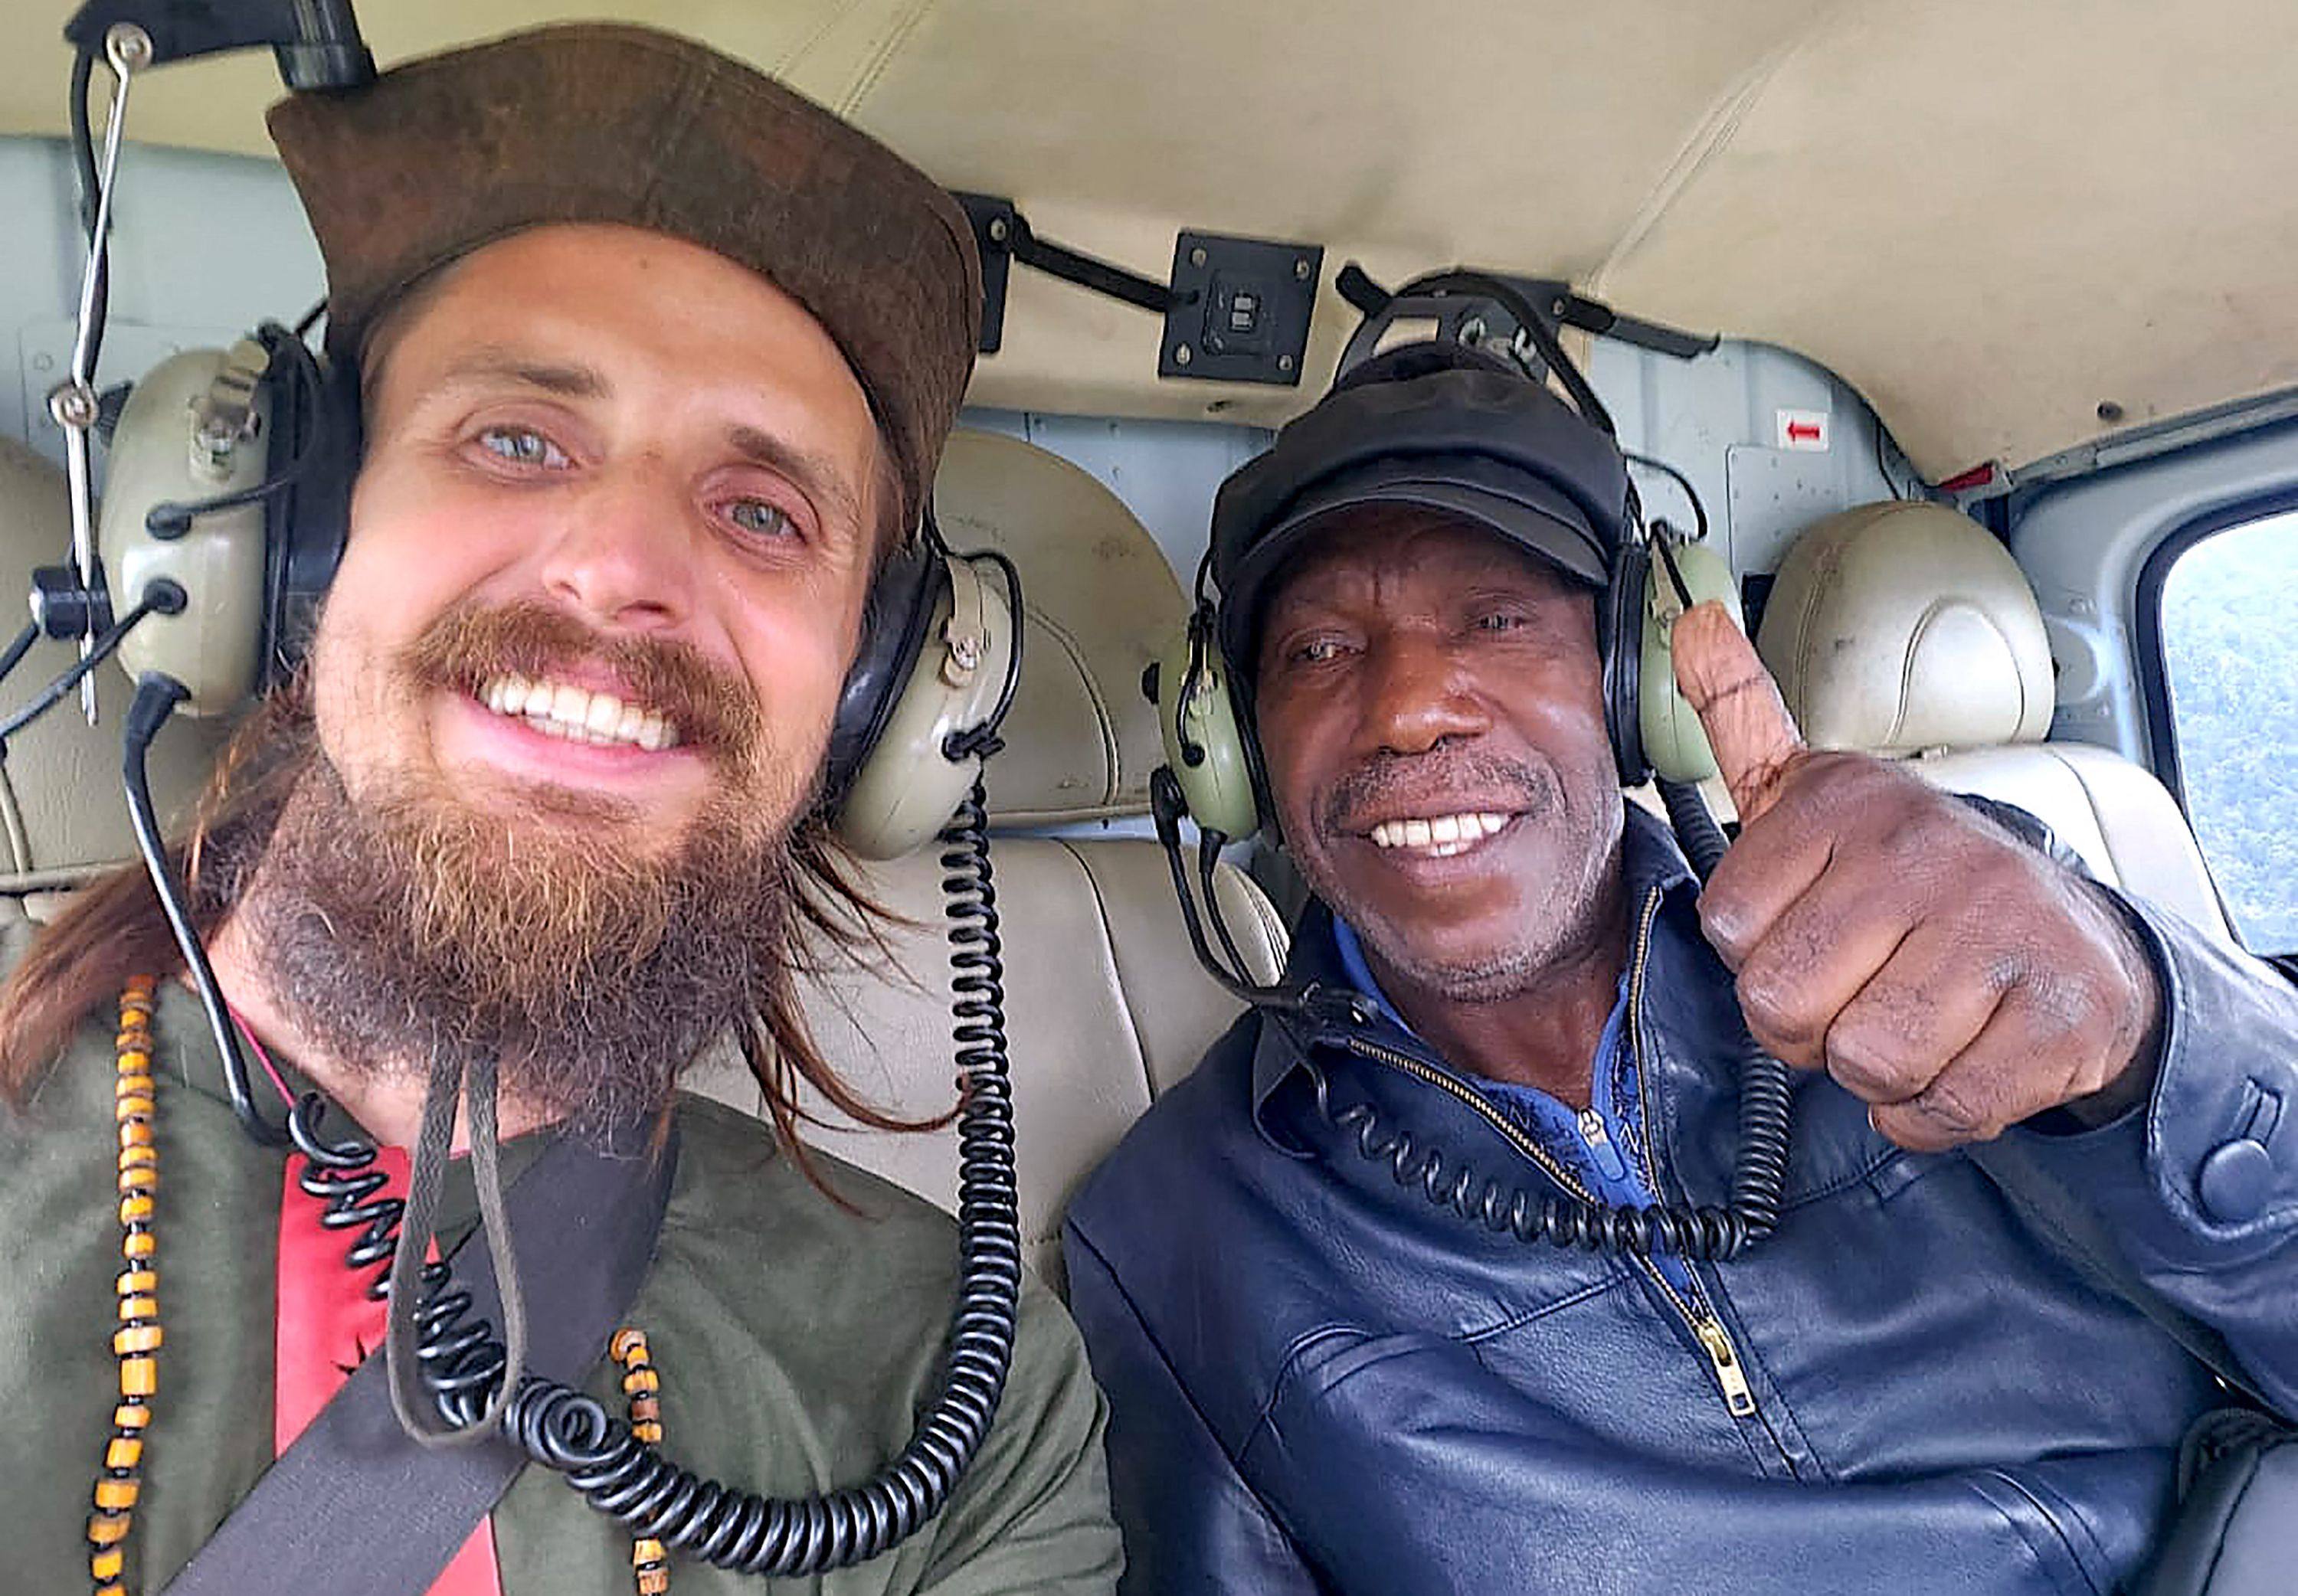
{"x": 2231, "y": 664}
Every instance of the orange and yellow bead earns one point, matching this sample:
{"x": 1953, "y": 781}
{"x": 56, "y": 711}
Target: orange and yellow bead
{"x": 649, "y": 1562}
{"x": 137, "y": 1340}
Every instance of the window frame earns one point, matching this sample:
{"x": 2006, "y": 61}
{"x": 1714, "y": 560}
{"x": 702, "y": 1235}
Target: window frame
{"x": 2154, "y": 660}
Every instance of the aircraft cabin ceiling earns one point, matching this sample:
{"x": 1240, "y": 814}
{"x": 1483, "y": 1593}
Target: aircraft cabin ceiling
{"x": 1999, "y": 220}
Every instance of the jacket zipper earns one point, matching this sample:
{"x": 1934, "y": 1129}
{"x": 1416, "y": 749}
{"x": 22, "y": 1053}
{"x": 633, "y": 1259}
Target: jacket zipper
{"x": 1737, "y": 1394}
{"x": 1600, "y": 1147}
{"x": 1407, "y": 1064}
{"x": 1723, "y": 1357}
{"x": 1706, "y": 1326}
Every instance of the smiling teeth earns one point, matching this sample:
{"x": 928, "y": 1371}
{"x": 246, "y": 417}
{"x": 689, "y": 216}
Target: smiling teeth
{"x": 1441, "y": 836}
{"x": 578, "y": 715}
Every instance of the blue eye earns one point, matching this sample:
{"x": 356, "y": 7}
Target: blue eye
{"x": 761, "y": 518}
{"x": 521, "y": 446}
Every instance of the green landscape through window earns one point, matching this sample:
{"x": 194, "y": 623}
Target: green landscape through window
{"x": 2231, "y": 652}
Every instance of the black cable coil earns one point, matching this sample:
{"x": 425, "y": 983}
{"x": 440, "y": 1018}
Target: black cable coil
{"x": 1758, "y": 1174}
{"x": 1543, "y": 1217}
{"x": 572, "y": 1433}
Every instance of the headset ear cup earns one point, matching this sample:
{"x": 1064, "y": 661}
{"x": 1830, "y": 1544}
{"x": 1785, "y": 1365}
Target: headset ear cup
{"x": 1620, "y": 609}
{"x": 1205, "y": 744}
{"x": 212, "y": 646}
{"x": 1674, "y": 739}
{"x": 908, "y": 784}
{"x": 253, "y": 573}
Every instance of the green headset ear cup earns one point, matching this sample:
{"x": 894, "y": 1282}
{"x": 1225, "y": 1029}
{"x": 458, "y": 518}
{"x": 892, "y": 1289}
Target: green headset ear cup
{"x": 254, "y": 574}
{"x": 214, "y": 645}
{"x": 907, "y": 786}
{"x": 1204, "y": 744}
{"x": 1674, "y": 740}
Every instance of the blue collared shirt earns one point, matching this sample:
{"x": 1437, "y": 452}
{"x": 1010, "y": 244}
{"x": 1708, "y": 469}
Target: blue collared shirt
{"x": 1602, "y": 1145}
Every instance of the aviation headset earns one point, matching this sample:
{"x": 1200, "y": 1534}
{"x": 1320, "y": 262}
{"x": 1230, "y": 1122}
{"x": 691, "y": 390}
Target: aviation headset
{"x": 231, "y": 474}
{"x": 1456, "y": 416}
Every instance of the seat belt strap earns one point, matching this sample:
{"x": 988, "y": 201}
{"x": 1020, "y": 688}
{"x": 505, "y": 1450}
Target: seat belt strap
{"x": 327, "y": 1323}
{"x": 357, "y": 1508}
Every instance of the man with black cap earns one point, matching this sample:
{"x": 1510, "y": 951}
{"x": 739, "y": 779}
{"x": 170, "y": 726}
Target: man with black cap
{"x": 656, "y": 362}
{"x": 1436, "y": 1275}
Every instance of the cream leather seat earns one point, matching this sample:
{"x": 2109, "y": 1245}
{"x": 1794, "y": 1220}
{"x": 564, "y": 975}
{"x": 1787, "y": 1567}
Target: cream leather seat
{"x": 1906, "y": 630}
{"x": 1104, "y": 1005}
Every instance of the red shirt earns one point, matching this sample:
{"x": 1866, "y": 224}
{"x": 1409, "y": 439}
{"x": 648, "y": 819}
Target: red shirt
{"x": 327, "y": 1326}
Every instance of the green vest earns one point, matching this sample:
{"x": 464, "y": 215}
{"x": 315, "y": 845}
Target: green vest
{"x": 797, "y": 1342}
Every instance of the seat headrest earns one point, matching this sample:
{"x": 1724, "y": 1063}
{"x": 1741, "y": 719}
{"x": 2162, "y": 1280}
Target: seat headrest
{"x": 1080, "y": 741}
{"x": 65, "y": 816}
{"x": 1895, "y": 628}
{"x": 1100, "y": 602}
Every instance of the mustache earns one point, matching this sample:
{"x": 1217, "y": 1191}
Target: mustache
{"x": 1387, "y": 780}
{"x": 469, "y": 645}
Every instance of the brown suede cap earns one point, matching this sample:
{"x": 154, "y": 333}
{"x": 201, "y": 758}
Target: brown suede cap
{"x": 598, "y": 122}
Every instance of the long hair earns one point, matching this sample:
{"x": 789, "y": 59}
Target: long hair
{"x": 115, "y": 928}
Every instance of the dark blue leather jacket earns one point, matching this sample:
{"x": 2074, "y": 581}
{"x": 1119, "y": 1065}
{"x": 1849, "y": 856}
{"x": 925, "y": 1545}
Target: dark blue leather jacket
{"x": 1320, "y": 1381}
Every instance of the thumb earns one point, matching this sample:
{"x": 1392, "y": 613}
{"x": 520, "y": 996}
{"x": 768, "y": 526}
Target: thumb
{"x": 1720, "y": 676}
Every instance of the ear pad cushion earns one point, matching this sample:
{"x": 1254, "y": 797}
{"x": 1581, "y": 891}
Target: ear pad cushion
{"x": 894, "y": 623}
{"x": 317, "y": 434}
{"x": 1619, "y": 636}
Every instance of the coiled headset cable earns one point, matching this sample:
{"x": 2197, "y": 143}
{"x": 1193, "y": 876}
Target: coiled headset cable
{"x": 1711, "y": 1232}
{"x": 1721, "y": 1233}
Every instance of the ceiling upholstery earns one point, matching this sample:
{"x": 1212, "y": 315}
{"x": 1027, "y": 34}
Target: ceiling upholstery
{"x": 1991, "y": 217}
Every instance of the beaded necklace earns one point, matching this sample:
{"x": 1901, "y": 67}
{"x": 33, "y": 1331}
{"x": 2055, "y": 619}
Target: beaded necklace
{"x": 649, "y": 1563}
{"x": 135, "y": 1344}
{"x": 136, "y": 1341}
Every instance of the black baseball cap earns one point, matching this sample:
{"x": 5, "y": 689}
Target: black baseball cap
{"x": 1438, "y": 425}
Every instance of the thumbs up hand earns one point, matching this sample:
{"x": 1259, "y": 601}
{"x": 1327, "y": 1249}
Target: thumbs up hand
{"x": 1951, "y": 977}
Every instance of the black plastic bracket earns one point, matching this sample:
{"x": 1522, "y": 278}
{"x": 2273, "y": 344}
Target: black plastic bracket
{"x": 1569, "y": 309}
{"x": 1564, "y": 308}
{"x": 1003, "y": 236}
{"x": 316, "y": 42}
{"x": 1240, "y": 308}
{"x": 67, "y": 607}
{"x": 993, "y": 220}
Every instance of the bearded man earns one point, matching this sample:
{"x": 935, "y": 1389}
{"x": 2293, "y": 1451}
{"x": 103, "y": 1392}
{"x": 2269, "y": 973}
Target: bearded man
{"x": 1342, "y": 1351}
{"x": 656, "y": 362}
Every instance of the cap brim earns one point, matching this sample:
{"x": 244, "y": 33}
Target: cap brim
{"x": 1514, "y": 505}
